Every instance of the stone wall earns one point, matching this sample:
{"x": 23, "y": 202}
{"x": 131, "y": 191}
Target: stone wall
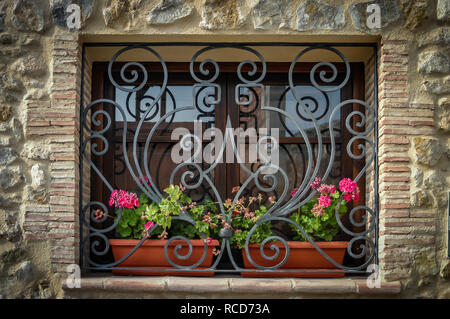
{"x": 40, "y": 68}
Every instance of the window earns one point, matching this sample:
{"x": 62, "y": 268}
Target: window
{"x": 226, "y": 102}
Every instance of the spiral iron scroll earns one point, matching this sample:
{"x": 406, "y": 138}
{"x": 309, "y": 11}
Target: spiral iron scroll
{"x": 135, "y": 75}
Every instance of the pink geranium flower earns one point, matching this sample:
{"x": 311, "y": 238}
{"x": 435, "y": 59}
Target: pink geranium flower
{"x": 122, "y": 198}
{"x": 293, "y": 192}
{"x": 114, "y": 198}
{"x": 347, "y": 185}
{"x": 325, "y": 201}
{"x": 209, "y": 240}
{"x": 316, "y": 183}
{"x": 348, "y": 197}
{"x": 317, "y": 210}
{"x": 326, "y": 189}
{"x": 149, "y": 225}
{"x": 355, "y": 194}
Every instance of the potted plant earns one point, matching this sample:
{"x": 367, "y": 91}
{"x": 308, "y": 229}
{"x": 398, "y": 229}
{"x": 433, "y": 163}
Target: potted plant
{"x": 317, "y": 218}
{"x": 142, "y": 218}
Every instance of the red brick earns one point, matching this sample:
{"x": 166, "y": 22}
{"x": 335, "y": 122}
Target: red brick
{"x": 50, "y": 131}
{"x": 399, "y": 242}
{"x": 38, "y": 236}
{"x": 396, "y": 195}
{"x": 60, "y": 114}
{"x": 64, "y": 96}
{"x": 393, "y": 141}
{"x": 421, "y": 105}
{"x": 31, "y": 227}
{"x": 393, "y": 94}
{"x": 63, "y": 260}
{"x": 394, "y": 85}
{"x": 70, "y": 193}
{"x": 401, "y": 187}
{"x": 32, "y": 104}
{"x": 423, "y": 214}
{"x": 394, "y": 214}
{"x": 394, "y": 159}
{"x": 386, "y": 169}
{"x": 63, "y": 123}
{"x": 71, "y": 157}
{"x": 394, "y": 122}
{"x": 407, "y": 223}
{"x": 425, "y": 123}
{"x": 395, "y": 206}
{"x": 394, "y": 179}
{"x": 393, "y": 77}
{"x": 63, "y": 185}
{"x": 393, "y": 68}
{"x": 70, "y": 242}
{"x": 394, "y": 105}
{"x": 62, "y": 208}
{"x": 393, "y": 52}
{"x": 38, "y": 123}
{"x": 395, "y": 59}
{"x": 61, "y": 225}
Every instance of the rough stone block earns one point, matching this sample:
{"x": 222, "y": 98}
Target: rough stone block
{"x": 427, "y": 151}
{"x": 314, "y": 15}
{"x": 169, "y": 11}
{"x": 434, "y": 62}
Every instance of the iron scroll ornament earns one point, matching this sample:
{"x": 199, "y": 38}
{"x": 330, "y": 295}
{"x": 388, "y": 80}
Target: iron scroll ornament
{"x": 250, "y": 81}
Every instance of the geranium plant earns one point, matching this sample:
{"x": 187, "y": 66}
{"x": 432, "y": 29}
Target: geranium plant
{"x": 140, "y": 218}
{"x": 246, "y": 211}
{"x": 318, "y": 216}
{"x": 130, "y": 225}
{"x": 140, "y": 215}
{"x": 206, "y": 221}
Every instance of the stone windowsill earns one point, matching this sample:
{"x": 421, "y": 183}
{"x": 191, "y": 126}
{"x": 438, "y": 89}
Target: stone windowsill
{"x": 226, "y": 285}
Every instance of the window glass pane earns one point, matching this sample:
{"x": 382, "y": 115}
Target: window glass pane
{"x": 127, "y": 101}
{"x": 320, "y": 104}
{"x": 174, "y": 97}
{"x": 181, "y": 96}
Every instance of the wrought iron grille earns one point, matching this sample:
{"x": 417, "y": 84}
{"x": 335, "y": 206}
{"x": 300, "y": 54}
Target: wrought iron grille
{"x": 133, "y": 78}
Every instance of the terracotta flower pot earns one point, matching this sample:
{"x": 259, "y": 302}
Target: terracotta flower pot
{"x": 302, "y": 255}
{"x": 151, "y": 255}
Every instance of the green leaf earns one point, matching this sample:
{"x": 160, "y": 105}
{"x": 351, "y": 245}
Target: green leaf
{"x": 211, "y": 205}
{"x": 185, "y": 199}
{"x": 124, "y": 231}
{"x": 335, "y": 195}
{"x": 343, "y": 209}
{"x": 143, "y": 199}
